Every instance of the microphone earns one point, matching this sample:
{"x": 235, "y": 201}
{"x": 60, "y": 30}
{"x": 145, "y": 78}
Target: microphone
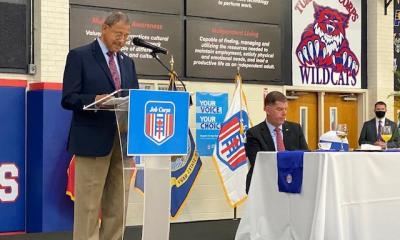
{"x": 142, "y": 43}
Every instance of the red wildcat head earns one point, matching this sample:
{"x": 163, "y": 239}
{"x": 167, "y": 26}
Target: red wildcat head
{"x": 330, "y": 25}
{"x": 330, "y": 21}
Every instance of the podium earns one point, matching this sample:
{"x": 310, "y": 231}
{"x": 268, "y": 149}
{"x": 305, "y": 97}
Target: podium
{"x": 153, "y": 125}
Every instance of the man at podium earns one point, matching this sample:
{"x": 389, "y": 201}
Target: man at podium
{"x": 91, "y": 72}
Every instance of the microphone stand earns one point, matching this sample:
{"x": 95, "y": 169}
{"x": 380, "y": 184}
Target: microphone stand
{"x": 155, "y": 56}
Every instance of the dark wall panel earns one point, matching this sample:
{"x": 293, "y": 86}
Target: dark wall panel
{"x": 214, "y": 49}
{"x": 158, "y": 29}
{"x": 253, "y": 11}
{"x": 161, "y": 6}
{"x": 13, "y": 40}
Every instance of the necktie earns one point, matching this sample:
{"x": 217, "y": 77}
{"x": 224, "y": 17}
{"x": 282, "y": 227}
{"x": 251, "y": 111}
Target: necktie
{"x": 279, "y": 140}
{"x": 114, "y": 71}
{"x": 380, "y": 130}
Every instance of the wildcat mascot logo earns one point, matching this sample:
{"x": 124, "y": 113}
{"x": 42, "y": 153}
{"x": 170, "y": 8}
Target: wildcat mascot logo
{"x": 324, "y": 52}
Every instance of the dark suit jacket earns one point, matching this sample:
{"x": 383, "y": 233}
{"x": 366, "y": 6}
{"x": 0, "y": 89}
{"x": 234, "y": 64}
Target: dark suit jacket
{"x": 258, "y": 138}
{"x": 369, "y": 133}
{"x": 87, "y": 75}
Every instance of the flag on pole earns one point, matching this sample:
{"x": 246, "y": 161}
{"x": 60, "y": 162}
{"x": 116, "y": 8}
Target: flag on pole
{"x": 139, "y": 181}
{"x": 184, "y": 170}
{"x": 136, "y": 174}
{"x": 71, "y": 179}
{"x": 229, "y": 154}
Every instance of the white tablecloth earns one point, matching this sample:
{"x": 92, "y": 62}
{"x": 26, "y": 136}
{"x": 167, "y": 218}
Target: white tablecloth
{"x": 345, "y": 196}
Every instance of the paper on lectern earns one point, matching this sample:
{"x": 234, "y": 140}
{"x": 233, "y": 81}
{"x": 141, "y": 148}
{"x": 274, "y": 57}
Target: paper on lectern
{"x": 116, "y": 101}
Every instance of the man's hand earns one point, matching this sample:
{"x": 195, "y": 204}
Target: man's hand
{"x": 103, "y": 98}
{"x": 98, "y": 97}
{"x": 380, "y": 144}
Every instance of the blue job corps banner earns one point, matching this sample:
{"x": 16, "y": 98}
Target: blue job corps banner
{"x": 158, "y": 123}
{"x": 210, "y": 112}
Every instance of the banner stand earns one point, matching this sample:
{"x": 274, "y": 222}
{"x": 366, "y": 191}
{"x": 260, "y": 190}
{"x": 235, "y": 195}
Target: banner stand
{"x": 157, "y": 198}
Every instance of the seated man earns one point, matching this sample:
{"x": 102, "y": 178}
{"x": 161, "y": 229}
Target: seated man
{"x": 267, "y": 136}
{"x": 371, "y": 131}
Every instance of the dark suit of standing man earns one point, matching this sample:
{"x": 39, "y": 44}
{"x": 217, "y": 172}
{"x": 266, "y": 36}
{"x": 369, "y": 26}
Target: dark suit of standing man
{"x": 263, "y": 137}
{"x": 91, "y": 72}
{"x": 370, "y": 132}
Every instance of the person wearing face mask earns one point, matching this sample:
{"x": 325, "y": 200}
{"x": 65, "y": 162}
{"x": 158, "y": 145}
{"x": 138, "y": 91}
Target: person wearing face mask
{"x": 371, "y": 131}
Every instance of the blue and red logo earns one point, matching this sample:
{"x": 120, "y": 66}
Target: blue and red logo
{"x": 159, "y": 121}
{"x": 324, "y": 49}
{"x": 230, "y": 146}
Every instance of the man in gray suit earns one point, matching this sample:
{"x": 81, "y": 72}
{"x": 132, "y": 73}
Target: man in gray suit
{"x": 371, "y": 131}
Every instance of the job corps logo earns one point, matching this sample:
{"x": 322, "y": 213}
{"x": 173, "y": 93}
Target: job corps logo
{"x": 230, "y": 146}
{"x": 324, "y": 51}
{"x": 159, "y": 121}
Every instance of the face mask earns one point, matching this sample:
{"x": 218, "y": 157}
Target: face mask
{"x": 380, "y": 114}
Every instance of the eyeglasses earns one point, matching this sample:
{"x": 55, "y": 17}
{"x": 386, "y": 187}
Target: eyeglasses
{"x": 118, "y": 35}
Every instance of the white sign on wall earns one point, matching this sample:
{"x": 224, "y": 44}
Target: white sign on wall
{"x": 327, "y": 43}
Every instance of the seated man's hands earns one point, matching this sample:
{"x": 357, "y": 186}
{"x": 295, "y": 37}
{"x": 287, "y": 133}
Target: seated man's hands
{"x": 381, "y": 144}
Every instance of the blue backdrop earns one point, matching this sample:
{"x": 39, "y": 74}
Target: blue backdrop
{"x": 12, "y": 157}
{"x": 48, "y": 207}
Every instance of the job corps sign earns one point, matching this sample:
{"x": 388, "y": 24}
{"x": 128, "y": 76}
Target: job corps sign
{"x": 157, "y": 122}
{"x": 160, "y": 121}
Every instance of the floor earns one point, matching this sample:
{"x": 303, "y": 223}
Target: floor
{"x": 215, "y": 230}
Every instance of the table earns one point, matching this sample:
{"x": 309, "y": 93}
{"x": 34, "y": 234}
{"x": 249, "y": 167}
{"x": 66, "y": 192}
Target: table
{"x": 345, "y": 196}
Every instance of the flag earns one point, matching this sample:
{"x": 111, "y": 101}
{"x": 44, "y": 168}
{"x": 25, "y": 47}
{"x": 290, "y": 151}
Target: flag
{"x": 184, "y": 170}
{"x": 398, "y": 119}
{"x": 229, "y": 154}
{"x": 136, "y": 174}
{"x": 71, "y": 179}
{"x": 139, "y": 181}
